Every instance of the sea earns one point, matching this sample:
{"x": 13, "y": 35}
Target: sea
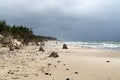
{"x": 104, "y": 45}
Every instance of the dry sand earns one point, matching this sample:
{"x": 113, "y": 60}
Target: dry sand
{"x": 74, "y": 63}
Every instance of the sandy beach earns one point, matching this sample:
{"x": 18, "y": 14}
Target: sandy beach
{"x": 74, "y": 63}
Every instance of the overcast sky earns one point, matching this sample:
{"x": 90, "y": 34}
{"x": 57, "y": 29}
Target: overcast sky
{"x": 83, "y": 20}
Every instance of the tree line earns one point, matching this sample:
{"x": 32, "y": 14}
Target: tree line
{"x": 21, "y": 32}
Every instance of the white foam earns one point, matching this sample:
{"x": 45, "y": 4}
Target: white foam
{"x": 98, "y": 45}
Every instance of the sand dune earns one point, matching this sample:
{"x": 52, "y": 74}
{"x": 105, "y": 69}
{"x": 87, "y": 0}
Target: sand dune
{"x": 74, "y": 63}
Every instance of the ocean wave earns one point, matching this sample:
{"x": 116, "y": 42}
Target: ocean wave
{"x": 98, "y": 45}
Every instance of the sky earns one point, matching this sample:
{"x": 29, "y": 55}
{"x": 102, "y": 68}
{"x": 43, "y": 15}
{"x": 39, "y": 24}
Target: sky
{"x": 73, "y": 20}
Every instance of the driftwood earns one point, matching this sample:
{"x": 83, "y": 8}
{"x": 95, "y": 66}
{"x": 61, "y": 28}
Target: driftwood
{"x": 41, "y": 49}
{"x": 17, "y": 44}
{"x": 42, "y": 43}
{"x": 11, "y": 47}
{"x": 64, "y": 46}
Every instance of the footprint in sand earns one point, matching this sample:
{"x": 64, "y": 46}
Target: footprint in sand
{"x": 15, "y": 78}
{"x": 48, "y": 74}
{"x": 26, "y": 75}
{"x": 10, "y": 72}
{"x": 58, "y": 61}
{"x": 76, "y": 72}
{"x": 36, "y": 75}
{"x": 109, "y": 78}
{"x": 49, "y": 64}
{"x": 67, "y": 69}
{"x": 64, "y": 64}
{"x": 107, "y": 61}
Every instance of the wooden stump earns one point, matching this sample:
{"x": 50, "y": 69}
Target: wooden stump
{"x": 65, "y": 46}
{"x": 11, "y": 48}
{"x": 54, "y": 55}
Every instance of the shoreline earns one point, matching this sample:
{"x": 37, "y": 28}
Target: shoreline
{"x": 74, "y": 63}
{"x": 100, "y": 45}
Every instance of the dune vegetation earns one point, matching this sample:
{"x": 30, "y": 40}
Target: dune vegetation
{"x": 21, "y": 32}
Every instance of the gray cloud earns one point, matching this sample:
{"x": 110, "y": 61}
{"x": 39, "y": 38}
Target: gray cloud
{"x": 66, "y": 19}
